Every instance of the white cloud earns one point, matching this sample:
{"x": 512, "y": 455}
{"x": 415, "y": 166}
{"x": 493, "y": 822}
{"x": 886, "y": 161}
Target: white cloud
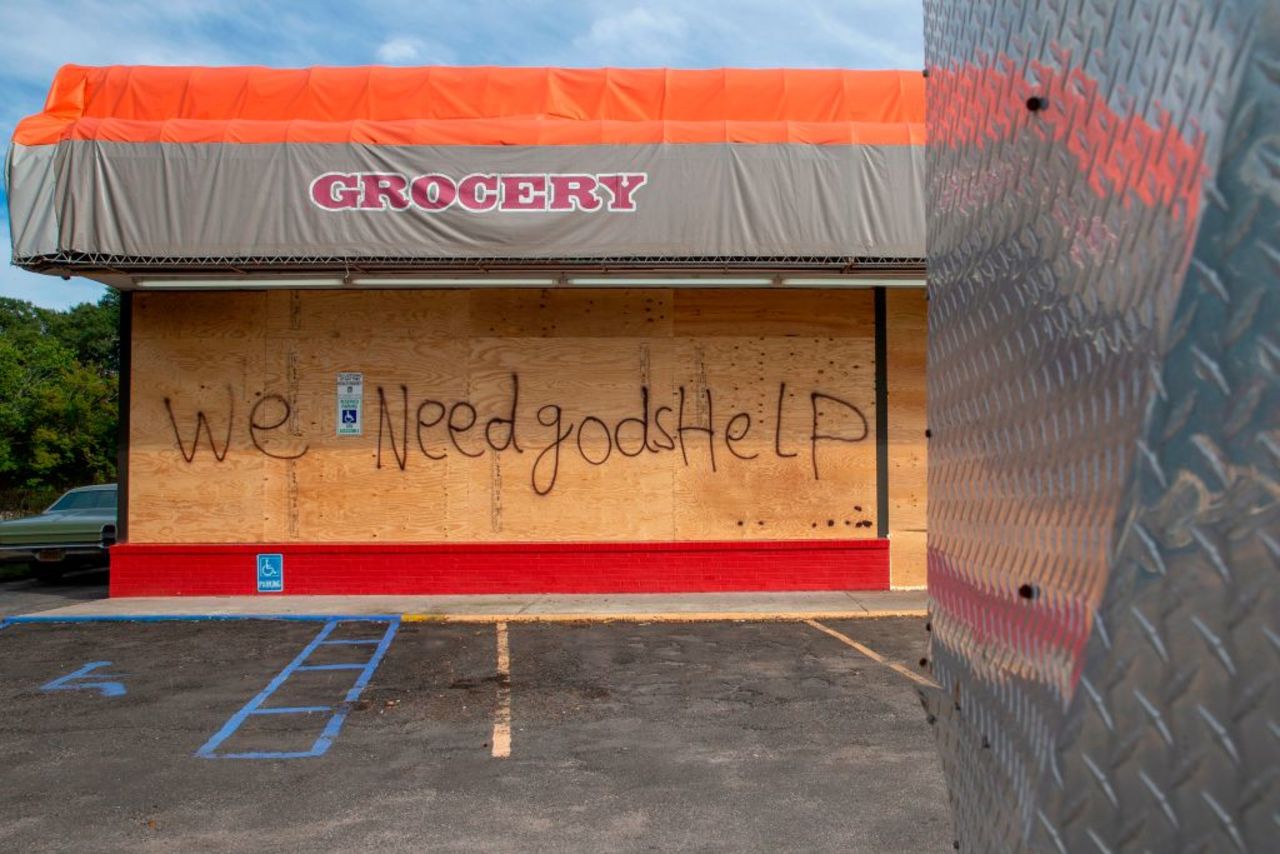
{"x": 411, "y": 50}
{"x": 399, "y": 51}
{"x": 753, "y": 33}
{"x": 861, "y": 40}
{"x": 638, "y": 35}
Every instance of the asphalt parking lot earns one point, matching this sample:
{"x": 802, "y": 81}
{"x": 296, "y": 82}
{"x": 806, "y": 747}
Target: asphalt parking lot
{"x": 722, "y": 736}
{"x": 27, "y": 595}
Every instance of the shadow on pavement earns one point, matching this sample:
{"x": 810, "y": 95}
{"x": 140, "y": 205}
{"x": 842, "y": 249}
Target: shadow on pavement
{"x": 28, "y": 595}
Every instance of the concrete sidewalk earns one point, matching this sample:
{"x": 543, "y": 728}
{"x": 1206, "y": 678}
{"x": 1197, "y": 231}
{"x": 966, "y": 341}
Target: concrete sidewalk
{"x": 635, "y": 607}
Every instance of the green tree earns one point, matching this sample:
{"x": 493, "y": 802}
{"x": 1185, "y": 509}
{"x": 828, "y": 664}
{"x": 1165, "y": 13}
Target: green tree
{"x": 59, "y": 375}
{"x": 91, "y": 330}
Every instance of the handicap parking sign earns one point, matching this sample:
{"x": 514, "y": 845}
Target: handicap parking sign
{"x": 350, "y": 402}
{"x": 271, "y": 573}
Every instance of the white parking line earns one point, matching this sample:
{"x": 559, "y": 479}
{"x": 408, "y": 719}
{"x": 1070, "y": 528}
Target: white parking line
{"x": 874, "y": 656}
{"x": 502, "y": 712}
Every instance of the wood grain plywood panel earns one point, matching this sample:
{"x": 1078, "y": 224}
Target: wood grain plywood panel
{"x": 598, "y": 482}
{"x": 344, "y": 497}
{"x": 772, "y": 480}
{"x": 599, "y": 376}
{"x": 906, "y": 313}
{"x": 353, "y": 315}
{"x": 774, "y": 313}
{"x": 194, "y": 474}
{"x": 560, "y": 313}
{"x": 384, "y": 485}
{"x": 219, "y": 316}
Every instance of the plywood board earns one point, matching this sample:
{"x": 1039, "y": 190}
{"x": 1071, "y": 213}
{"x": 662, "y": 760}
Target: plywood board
{"x": 565, "y": 409}
{"x": 191, "y": 472}
{"x": 907, "y": 329}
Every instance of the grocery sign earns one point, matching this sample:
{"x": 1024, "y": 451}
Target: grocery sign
{"x": 477, "y": 193}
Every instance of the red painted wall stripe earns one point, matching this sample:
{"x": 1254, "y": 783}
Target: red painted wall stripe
{"x": 471, "y": 568}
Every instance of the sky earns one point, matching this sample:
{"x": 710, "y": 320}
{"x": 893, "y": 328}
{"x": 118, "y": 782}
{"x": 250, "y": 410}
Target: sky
{"x": 38, "y": 37}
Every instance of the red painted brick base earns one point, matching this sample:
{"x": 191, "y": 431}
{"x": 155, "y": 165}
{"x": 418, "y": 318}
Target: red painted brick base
{"x": 457, "y": 568}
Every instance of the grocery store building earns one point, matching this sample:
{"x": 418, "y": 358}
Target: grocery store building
{"x": 481, "y": 330}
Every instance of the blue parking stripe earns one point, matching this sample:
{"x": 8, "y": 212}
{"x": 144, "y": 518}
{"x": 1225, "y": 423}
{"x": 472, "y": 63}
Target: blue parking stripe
{"x": 292, "y": 710}
{"x": 239, "y": 717}
{"x": 297, "y": 754}
{"x": 334, "y": 725}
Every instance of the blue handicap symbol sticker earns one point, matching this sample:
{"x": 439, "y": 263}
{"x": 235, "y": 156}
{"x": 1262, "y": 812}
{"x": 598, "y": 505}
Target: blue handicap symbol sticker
{"x": 348, "y": 416}
{"x": 270, "y": 573}
{"x": 78, "y": 681}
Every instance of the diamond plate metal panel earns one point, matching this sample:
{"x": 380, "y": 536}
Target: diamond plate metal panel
{"x": 1104, "y": 399}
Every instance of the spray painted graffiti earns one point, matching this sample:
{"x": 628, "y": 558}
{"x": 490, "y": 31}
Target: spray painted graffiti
{"x": 430, "y": 429}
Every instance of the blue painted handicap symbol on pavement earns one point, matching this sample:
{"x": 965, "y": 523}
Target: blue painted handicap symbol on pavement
{"x": 270, "y": 573}
{"x": 72, "y": 681}
{"x": 349, "y": 416}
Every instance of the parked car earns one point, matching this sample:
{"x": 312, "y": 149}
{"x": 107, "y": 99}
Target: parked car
{"x": 76, "y": 530}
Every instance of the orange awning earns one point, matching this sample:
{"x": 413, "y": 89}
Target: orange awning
{"x": 479, "y": 106}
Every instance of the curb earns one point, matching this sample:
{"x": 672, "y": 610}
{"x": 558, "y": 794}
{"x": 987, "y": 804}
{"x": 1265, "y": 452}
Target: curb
{"x": 664, "y": 617}
{"x": 656, "y": 617}
{"x": 196, "y": 618}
